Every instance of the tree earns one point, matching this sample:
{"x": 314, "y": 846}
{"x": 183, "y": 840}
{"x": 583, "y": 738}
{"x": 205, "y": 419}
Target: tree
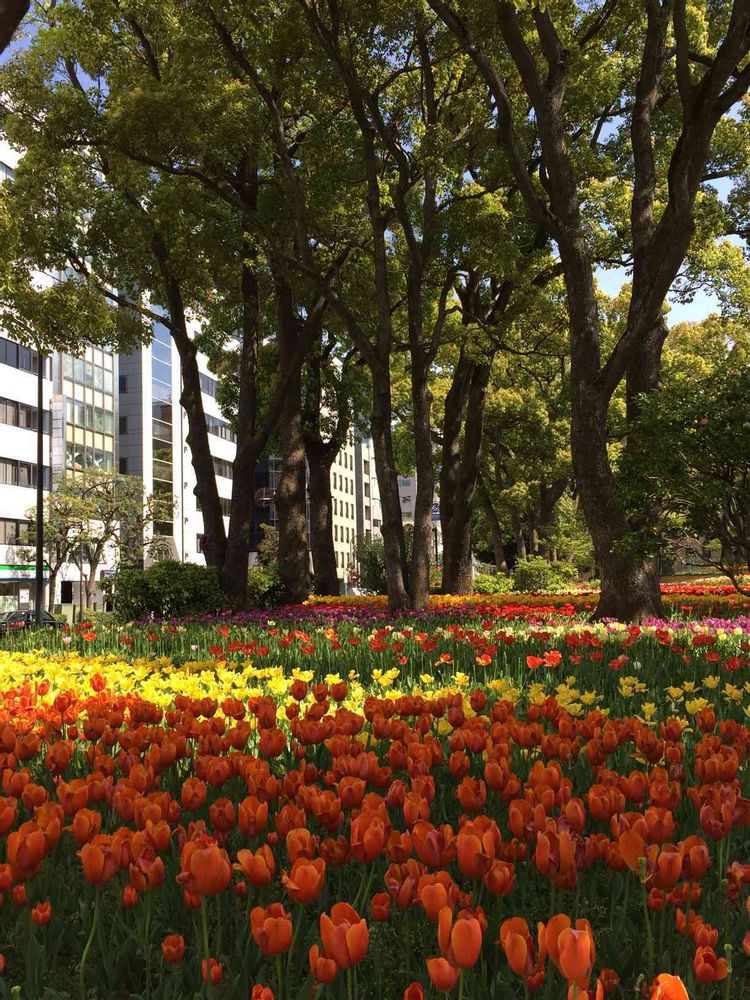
{"x": 183, "y": 207}
{"x": 687, "y": 449}
{"x": 687, "y": 76}
{"x": 61, "y": 512}
{"x": 334, "y": 399}
{"x": 12, "y": 12}
{"x": 110, "y": 519}
{"x": 91, "y": 517}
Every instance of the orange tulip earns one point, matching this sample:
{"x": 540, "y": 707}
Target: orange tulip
{"x": 25, "y": 849}
{"x": 305, "y": 881}
{"x": 130, "y": 897}
{"x": 271, "y": 928}
{"x": 101, "y": 859}
{"x": 380, "y": 906}
{"x": 324, "y": 970}
{"x": 576, "y": 959}
{"x": 460, "y": 942}
{"x": 259, "y": 867}
{"x": 443, "y": 975}
{"x": 667, "y": 987}
{"x": 193, "y": 794}
{"x": 414, "y": 991}
{"x": 516, "y": 942}
{"x": 252, "y": 816}
{"x": 345, "y": 935}
{"x": 211, "y": 971}
{"x": 262, "y": 993}
{"x": 42, "y": 914}
{"x": 173, "y": 948}
{"x": 204, "y": 867}
{"x": 707, "y": 967}
{"x": 85, "y": 826}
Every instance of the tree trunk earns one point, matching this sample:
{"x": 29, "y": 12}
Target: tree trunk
{"x": 291, "y": 492}
{"x": 392, "y": 527}
{"x": 242, "y": 508}
{"x": 545, "y": 516}
{"x": 461, "y": 483}
{"x": 12, "y": 12}
{"x": 51, "y": 589}
{"x": 521, "y": 552}
{"x": 90, "y": 586}
{"x": 629, "y": 586}
{"x": 498, "y": 540}
{"x": 215, "y": 539}
{"x": 534, "y": 538}
{"x": 419, "y": 579}
{"x": 325, "y": 570}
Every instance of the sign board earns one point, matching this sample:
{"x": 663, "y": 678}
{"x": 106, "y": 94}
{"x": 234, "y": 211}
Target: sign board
{"x": 435, "y": 510}
{"x": 24, "y": 596}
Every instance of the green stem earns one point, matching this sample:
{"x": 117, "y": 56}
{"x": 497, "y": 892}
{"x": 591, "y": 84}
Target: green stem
{"x": 206, "y": 949}
{"x": 349, "y": 984}
{"x": 87, "y": 949}
{"x": 461, "y": 985}
{"x": 728, "y": 980}
{"x": 297, "y": 925}
{"x": 649, "y": 932}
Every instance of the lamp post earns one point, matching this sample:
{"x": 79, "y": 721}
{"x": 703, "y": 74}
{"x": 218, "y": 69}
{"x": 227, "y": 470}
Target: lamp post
{"x": 39, "y": 585}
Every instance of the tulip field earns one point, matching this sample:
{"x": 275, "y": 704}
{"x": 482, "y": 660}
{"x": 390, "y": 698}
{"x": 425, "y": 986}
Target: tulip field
{"x": 492, "y": 799}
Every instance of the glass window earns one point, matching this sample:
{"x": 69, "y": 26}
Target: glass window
{"x": 123, "y": 383}
{"x": 161, "y": 370}
{"x": 109, "y": 381}
{"x": 161, "y": 393}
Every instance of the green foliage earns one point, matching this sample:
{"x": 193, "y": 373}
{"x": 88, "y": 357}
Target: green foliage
{"x": 568, "y": 534}
{"x": 166, "y": 589}
{"x": 264, "y": 587}
{"x": 538, "y": 576}
{"x": 491, "y": 583}
{"x": 688, "y": 460}
{"x": 370, "y": 556}
{"x": 268, "y": 546}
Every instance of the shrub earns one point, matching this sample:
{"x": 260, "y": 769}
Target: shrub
{"x": 491, "y": 583}
{"x": 264, "y": 587}
{"x": 370, "y": 556}
{"x": 166, "y": 589}
{"x": 536, "y": 575}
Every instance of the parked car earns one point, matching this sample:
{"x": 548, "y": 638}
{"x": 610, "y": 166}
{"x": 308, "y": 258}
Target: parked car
{"x": 13, "y": 620}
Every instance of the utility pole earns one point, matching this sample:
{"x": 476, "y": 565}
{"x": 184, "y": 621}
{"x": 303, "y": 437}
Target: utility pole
{"x": 39, "y": 587}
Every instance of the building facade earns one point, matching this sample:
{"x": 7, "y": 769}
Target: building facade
{"x": 79, "y": 414}
{"x": 122, "y": 412}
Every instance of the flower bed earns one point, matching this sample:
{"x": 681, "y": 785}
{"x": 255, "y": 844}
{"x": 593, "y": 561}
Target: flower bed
{"x": 494, "y": 809}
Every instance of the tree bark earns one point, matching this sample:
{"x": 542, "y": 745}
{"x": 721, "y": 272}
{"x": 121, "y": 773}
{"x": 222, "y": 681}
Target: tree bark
{"x": 419, "y": 579}
{"x": 51, "y": 589}
{"x": 498, "y": 539}
{"x": 325, "y": 570}
{"x": 191, "y": 399}
{"x": 629, "y": 586}
{"x": 392, "y": 527}
{"x": 12, "y": 12}
{"x": 460, "y": 482}
{"x": 291, "y": 492}
{"x": 321, "y": 455}
{"x": 242, "y": 508}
